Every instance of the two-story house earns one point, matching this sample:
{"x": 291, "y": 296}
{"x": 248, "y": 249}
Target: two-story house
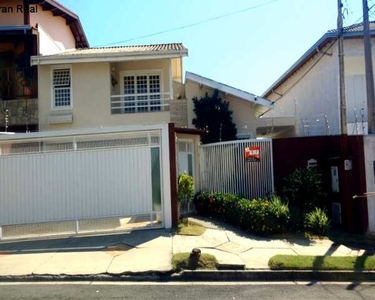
{"x": 27, "y": 28}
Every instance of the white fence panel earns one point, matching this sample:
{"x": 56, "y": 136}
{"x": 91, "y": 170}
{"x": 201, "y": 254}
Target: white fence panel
{"x": 75, "y": 185}
{"x": 224, "y": 168}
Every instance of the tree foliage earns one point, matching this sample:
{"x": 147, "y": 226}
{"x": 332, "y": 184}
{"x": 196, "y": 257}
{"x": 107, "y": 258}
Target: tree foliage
{"x": 214, "y": 116}
{"x": 304, "y": 189}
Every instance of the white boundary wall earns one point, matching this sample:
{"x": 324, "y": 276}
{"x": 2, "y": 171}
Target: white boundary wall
{"x": 224, "y": 169}
{"x": 95, "y": 181}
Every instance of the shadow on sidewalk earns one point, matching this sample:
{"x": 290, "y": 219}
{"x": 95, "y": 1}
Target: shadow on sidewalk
{"x": 82, "y": 243}
{"x": 209, "y": 223}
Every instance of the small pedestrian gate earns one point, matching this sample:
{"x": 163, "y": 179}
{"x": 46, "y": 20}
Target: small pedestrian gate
{"x": 92, "y": 174}
{"x": 241, "y": 167}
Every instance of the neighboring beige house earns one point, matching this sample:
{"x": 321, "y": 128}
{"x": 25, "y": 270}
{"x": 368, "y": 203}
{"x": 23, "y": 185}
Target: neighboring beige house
{"x": 246, "y": 107}
{"x": 110, "y": 86}
{"x": 46, "y": 27}
{"x": 309, "y": 90}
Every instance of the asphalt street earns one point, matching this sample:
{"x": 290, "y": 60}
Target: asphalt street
{"x": 214, "y": 291}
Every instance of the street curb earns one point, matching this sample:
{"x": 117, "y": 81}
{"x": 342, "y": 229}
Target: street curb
{"x": 277, "y": 275}
{"x": 206, "y": 275}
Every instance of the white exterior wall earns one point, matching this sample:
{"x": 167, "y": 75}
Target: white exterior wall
{"x": 313, "y": 90}
{"x": 369, "y": 148}
{"x": 311, "y": 93}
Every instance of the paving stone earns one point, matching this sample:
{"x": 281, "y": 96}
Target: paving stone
{"x": 118, "y": 249}
{"x": 225, "y": 258}
{"x": 76, "y": 263}
{"x": 211, "y": 238}
{"x": 258, "y": 258}
{"x": 148, "y": 238}
{"x": 142, "y": 260}
{"x": 22, "y": 264}
{"x": 233, "y": 247}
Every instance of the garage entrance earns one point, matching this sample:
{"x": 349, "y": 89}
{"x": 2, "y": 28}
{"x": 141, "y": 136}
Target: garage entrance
{"x": 118, "y": 176}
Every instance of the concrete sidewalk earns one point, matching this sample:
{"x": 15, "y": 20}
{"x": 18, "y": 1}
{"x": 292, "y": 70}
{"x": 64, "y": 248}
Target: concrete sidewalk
{"x": 237, "y": 249}
{"x": 151, "y": 251}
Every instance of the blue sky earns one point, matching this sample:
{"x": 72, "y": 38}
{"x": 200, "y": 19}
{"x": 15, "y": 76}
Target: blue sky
{"x": 248, "y": 50}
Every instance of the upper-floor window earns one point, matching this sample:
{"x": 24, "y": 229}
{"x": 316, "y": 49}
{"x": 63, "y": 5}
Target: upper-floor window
{"x": 62, "y": 87}
{"x": 141, "y": 92}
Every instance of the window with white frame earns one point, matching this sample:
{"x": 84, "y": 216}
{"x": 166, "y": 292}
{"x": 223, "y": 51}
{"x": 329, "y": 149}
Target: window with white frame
{"x": 142, "y": 93}
{"x": 62, "y": 88}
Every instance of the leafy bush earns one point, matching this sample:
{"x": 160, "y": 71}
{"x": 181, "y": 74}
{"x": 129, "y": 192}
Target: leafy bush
{"x": 258, "y": 216}
{"x": 304, "y": 189}
{"x": 317, "y": 221}
{"x": 185, "y": 188}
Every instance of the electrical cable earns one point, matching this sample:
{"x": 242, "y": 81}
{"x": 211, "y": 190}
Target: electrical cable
{"x": 189, "y": 25}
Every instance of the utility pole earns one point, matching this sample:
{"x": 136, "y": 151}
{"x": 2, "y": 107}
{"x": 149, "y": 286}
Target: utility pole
{"x": 369, "y": 70}
{"x": 341, "y": 69}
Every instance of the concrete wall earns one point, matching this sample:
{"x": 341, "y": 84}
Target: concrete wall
{"x": 369, "y": 148}
{"x": 244, "y": 113}
{"x": 91, "y": 93}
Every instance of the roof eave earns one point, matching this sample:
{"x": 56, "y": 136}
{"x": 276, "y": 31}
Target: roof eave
{"x": 71, "y": 19}
{"x": 305, "y": 57}
{"x": 104, "y": 57}
{"x": 229, "y": 90}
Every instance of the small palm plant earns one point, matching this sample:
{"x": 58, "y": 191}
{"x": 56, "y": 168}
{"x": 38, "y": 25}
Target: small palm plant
{"x": 317, "y": 221}
{"x": 185, "y": 189}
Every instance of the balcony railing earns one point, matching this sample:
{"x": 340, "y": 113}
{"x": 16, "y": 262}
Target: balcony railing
{"x": 140, "y": 103}
{"x": 18, "y": 83}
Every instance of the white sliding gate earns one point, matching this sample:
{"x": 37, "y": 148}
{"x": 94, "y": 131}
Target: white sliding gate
{"x": 224, "y": 168}
{"x": 81, "y": 175}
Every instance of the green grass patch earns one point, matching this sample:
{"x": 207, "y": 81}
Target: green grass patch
{"x": 182, "y": 261}
{"x": 307, "y": 262}
{"x": 190, "y": 229}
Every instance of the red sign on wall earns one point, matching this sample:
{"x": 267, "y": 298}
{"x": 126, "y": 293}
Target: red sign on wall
{"x": 252, "y": 153}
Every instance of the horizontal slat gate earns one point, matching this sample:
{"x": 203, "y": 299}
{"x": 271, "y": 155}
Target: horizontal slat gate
{"x": 224, "y": 168}
{"x": 81, "y": 177}
{"x": 75, "y": 185}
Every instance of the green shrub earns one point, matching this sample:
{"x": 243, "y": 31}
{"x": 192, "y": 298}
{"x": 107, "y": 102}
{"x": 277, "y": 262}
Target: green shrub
{"x": 185, "y": 188}
{"x": 258, "y": 216}
{"x": 304, "y": 189}
{"x": 317, "y": 221}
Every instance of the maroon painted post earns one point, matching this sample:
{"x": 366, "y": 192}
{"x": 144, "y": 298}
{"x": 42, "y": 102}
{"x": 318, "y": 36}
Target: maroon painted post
{"x": 26, "y": 12}
{"x": 173, "y": 172}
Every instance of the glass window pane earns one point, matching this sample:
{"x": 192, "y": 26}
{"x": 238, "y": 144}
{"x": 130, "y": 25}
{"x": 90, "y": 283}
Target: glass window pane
{"x": 190, "y": 164}
{"x": 156, "y": 182}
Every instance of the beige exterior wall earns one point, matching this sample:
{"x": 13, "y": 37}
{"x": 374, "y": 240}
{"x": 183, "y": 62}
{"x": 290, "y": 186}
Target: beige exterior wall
{"x": 54, "y": 34}
{"x": 9, "y": 17}
{"x": 91, "y": 93}
{"x": 244, "y": 112}
{"x": 178, "y": 84}
{"x": 56, "y": 30}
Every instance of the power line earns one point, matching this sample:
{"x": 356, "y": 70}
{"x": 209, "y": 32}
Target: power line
{"x": 190, "y": 25}
{"x": 361, "y": 17}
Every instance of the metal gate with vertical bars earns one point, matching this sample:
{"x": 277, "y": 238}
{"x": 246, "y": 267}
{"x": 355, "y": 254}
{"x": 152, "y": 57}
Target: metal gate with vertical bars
{"x": 224, "y": 168}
